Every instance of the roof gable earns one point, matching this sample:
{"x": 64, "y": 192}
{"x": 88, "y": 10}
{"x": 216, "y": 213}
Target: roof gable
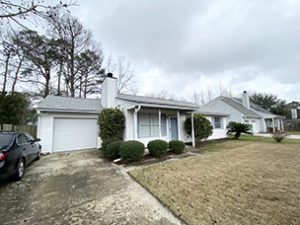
{"x": 239, "y": 107}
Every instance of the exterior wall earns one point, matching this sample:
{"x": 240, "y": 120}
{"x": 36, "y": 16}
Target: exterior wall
{"x": 218, "y": 133}
{"x": 218, "y": 105}
{"x": 46, "y": 125}
{"x": 256, "y": 124}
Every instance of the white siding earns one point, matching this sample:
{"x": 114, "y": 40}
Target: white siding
{"x": 45, "y": 131}
{"x": 219, "y": 133}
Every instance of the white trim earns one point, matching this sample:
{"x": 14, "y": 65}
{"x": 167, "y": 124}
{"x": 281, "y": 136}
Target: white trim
{"x": 159, "y": 122}
{"x": 178, "y": 125}
{"x": 193, "y": 130}
{"x": 135, "y": 122}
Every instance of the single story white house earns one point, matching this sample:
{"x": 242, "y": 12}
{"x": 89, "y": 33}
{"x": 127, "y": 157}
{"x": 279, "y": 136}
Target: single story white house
{"x": 66, "y": 123}
{"x": 243, "y": 110}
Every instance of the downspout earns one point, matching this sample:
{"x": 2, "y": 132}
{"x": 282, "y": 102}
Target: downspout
{"x": 135, "y": 120}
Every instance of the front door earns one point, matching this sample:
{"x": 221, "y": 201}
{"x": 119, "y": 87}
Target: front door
{"x": 174, "y": 128}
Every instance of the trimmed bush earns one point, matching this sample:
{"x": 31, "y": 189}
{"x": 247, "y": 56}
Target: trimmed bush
{"x": 202, "y": 127}
{"x": 176, "y": 147}
{"x": 111, "y": 123}
{"x": 132, "y": 151}
{"x": 113, "y": 150}
{"x": 106, "y": 142}
{"x": 157, "y": 147}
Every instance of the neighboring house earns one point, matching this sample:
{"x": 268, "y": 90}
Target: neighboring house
{"x": 295, "y": 113}
{"x": 244, "y": 111}
{"x": 71, "y": 123}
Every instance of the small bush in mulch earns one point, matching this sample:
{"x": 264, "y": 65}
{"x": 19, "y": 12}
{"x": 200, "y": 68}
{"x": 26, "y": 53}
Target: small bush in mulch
{"x": 113, "y": 150}
{"x": 132, "y": 151}
{"x": 176, "y": 147}
{"x": 157, "y": 147}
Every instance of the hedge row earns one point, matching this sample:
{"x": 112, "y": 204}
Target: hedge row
{"x": 133, "y": 151}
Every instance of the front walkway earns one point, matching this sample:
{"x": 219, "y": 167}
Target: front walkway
{"x": 79, "y": 188}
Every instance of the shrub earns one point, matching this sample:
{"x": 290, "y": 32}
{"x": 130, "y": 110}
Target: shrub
{"x": 202, "y": 127}
{"x": 106, "y": 142}
{"x": 157, "y": 147}
{"x": 176, "y": 146}
{"x": 132, "y": 151}
{"x": 238, "y": 129}
{"x": 113, "y": 150}
{"x": 111, "y": 123}
{"x": 278, "y": 136}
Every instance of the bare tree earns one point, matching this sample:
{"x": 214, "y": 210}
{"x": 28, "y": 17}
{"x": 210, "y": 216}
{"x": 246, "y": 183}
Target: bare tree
{"x": 18, "y": 11}
{"x": 76, "y": 39}
{"x": 125, "y": 73}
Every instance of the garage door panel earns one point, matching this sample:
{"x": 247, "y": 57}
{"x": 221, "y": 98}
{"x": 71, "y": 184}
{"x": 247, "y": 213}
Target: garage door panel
{"x": 74, "y": 134}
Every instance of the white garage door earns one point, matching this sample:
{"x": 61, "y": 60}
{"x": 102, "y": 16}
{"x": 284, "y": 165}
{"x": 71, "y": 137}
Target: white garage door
{"x": 74, "y": 134}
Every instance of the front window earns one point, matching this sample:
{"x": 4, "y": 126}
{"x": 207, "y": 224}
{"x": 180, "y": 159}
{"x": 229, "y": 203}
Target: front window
{"x": 217, "y": 122}
{"x": 148, "y": 125}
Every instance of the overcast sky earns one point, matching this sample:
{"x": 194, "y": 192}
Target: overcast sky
{"x": 185, "y": 46}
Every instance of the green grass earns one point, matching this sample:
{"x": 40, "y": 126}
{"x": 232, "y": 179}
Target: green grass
{"x": 267, "y": 139}
{"x": 294, "y": 132}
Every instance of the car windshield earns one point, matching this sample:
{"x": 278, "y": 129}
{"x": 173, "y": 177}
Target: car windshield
{"x": 5, "y": 139}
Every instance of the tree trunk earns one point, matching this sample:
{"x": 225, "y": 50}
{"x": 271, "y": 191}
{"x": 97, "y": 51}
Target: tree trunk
{"x": 59, "y": 77}
{"x": 16, "y": 75}
{"x": 5, "y": 73}
{"x": 85, "y": 88}
{"x": 47, "y": 82}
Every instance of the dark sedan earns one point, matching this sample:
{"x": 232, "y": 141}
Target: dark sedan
{"x": 17, "y": 150}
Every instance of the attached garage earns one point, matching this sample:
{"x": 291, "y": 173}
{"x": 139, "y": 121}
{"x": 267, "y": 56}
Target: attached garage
{"x": 74, "y": 133}
{"x": 67, "y": 124}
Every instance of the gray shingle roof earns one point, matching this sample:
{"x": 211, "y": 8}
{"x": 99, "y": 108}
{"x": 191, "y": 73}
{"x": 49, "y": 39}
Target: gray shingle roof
{"x": 211, "y": 113}
{"x": 157, "y": 101}
{"x": 255, "y": 107}
{"x": 238, "y": 106}
{"x": 68, "y": 104}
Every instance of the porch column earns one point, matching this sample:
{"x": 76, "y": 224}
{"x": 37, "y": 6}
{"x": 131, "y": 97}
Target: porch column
{"x": 135, "y": 130}
{"x": 193, "y": 131}
{"x": 135, "y": 122}
{"x": 159, "y": 122}
{"x": 282, "y": 126}
{"x": 273, "y": 124}
{"x": 279, "y": 125}
{"x": 178, "y": 125}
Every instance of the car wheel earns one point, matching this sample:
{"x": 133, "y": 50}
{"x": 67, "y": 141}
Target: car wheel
{"x": 20, "y": 170}
{"x": 38, "y": 156}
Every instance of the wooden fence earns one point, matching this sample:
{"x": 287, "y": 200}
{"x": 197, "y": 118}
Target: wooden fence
{"x": 32, "y": 130}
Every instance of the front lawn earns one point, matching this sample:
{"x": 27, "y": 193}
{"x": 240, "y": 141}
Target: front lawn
{"x": 235, "y": 182}
{"x": 294, "y": 132}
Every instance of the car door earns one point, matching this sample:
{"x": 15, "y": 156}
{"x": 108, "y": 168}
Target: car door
{"x": 34, "y": 147}
{"x": 25, "y": 147}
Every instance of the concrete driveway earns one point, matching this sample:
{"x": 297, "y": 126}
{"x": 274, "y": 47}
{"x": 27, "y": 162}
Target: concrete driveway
{"x": 78, "y": 188}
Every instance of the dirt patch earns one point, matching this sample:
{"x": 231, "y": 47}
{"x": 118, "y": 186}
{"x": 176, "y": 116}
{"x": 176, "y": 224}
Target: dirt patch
{"x": 78, "y": 188}
{"x": 231, "y": 183}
